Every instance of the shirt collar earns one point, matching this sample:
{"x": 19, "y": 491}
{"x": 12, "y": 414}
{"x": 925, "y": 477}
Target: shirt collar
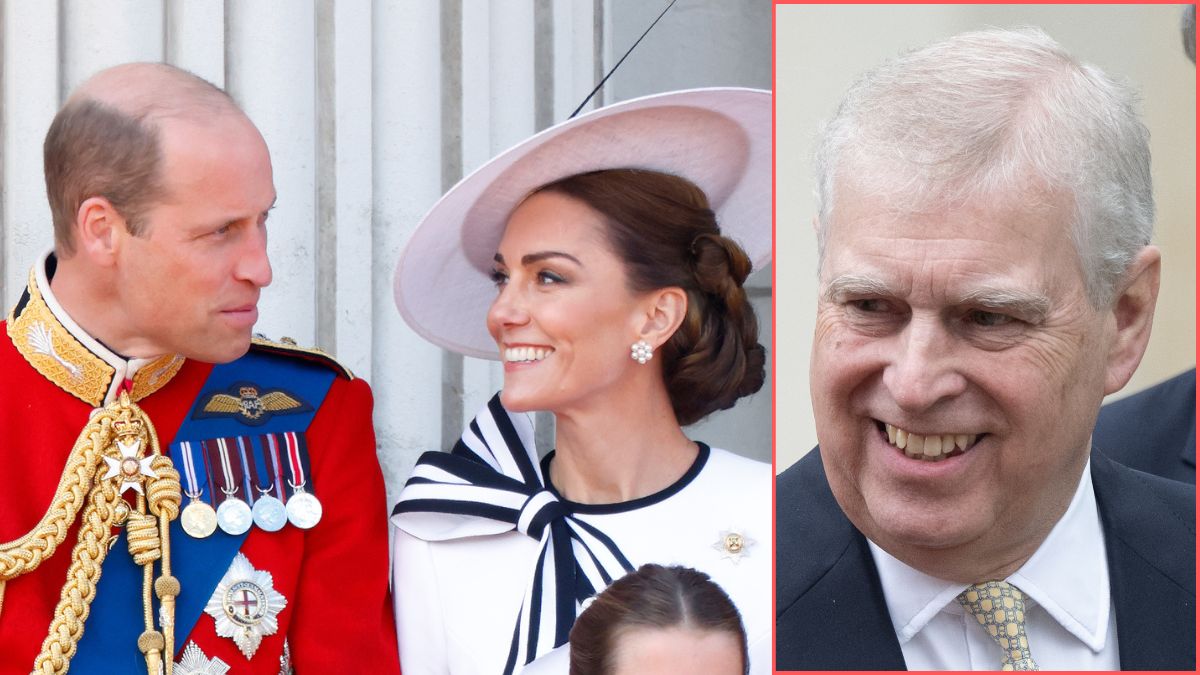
{"x": 65, "y": 354}
{"x": 1067, "y": 576}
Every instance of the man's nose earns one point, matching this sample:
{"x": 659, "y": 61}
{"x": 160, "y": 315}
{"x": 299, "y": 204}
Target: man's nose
{"x": 253, "y": 265}
{"x": 923, "y": 370}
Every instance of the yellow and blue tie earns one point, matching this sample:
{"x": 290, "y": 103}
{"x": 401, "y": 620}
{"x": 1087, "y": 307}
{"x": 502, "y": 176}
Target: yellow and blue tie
{"x": 999, "y": 607}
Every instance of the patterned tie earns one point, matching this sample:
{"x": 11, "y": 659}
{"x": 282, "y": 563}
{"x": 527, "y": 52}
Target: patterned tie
{"x": 999, "y": 607}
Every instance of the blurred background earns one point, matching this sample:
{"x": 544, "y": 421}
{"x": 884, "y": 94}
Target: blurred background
{"x": 821, "y": 49}
{"x": 372, "y": 109}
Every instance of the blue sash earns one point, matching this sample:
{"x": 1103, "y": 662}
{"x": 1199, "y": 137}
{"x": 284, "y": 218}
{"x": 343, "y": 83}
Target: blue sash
{"x": 109, "y": 642}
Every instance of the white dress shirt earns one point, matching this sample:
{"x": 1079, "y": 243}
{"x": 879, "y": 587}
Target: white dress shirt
{"x": 1069, "y": 616}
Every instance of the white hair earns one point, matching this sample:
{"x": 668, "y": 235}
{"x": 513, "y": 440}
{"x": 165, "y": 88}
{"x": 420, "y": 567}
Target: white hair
{"x": 994, "y": 113}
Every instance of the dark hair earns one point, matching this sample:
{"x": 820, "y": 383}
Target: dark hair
{"x": 94, "y": 150}
{"x": 663, "y": 229}
{"x": 653, "y": 597}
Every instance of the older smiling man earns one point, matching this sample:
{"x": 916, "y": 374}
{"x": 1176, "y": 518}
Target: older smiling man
{"x": 986, "y": 278}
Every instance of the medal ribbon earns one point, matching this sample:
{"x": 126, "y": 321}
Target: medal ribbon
{"x": 262, "y": 467}
{"x": 226, "y": 469}
{"x": 276, "y": 465}
{"x": 297, "y": 458}
{"x": 211, "y": 460}
{"x": 189, "y": 470}
{"x": 250, "y": 494}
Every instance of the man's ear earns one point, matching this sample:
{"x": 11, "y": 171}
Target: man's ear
{"x": 98, "y": 229}
{"x": 665, "y": 310}
{"x": 1133, "y": 309}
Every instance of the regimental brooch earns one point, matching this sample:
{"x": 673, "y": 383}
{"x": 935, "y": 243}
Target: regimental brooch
{"x": 733, "y": 544}
{"x": 246, "y": 605}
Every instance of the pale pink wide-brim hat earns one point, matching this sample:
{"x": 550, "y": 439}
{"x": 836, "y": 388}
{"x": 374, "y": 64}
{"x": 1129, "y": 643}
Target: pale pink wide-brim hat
{"x": 718, "y": 138}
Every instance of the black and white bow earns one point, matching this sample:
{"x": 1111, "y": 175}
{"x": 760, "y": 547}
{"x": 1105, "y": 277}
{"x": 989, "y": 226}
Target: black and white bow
{"x": 491, "y": 483}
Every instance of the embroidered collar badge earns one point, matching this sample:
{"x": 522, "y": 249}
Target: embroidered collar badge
{"x": 61, "y": 355}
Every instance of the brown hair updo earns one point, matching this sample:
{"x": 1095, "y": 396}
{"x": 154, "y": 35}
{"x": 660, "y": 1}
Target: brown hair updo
{"x": 663, "y": 229}
{"x": 652, "y": 597}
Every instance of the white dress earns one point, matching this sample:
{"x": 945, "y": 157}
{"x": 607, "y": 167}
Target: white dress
{"x": 457, "y": 601}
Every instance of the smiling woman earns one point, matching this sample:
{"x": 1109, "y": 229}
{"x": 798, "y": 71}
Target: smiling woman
{"x": 618, "y": 307}
{"x": 657, "y": 264}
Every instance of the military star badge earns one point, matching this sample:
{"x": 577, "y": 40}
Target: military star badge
{"x": 194, "y": 662}
{"x": 733, "y": 545}
{"x": 245, "y": 605}
{"x": 129, "y": 467}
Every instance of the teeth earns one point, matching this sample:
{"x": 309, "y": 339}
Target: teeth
{"x": 916, "y": 446}
{"x": 933, "y": 447}
{"x": 525, "y": 354}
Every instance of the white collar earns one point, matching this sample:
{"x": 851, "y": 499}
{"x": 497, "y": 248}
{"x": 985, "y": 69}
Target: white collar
{"x": 1067, "y": 576}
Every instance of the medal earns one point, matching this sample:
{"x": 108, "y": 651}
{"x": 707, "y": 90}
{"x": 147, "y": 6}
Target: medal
{"x": 198, "y": 519}
{"x": 233, "y": 515}
{"x": 130, "y": 468}
{"x": 269, "y": 512}
{"x": 303, "y": 508}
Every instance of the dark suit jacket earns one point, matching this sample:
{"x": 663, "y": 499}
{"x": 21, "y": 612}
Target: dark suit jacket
{"x": 1153, "y": 430}
{"x": 830, "y": 609}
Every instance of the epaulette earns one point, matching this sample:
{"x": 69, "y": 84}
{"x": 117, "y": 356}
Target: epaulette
{"x": 288, "y": 347}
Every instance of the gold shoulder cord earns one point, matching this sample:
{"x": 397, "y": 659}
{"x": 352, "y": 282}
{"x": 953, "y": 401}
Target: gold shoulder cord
{"x": 116, "y": 451}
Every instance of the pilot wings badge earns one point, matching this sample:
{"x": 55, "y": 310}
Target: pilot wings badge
{"x": 244, "y": 402}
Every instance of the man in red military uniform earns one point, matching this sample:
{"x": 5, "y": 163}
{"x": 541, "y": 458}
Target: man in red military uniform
{"x": 260, "y": 545}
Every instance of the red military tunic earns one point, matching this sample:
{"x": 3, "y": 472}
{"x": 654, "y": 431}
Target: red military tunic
{"x": 334, "y": 576}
